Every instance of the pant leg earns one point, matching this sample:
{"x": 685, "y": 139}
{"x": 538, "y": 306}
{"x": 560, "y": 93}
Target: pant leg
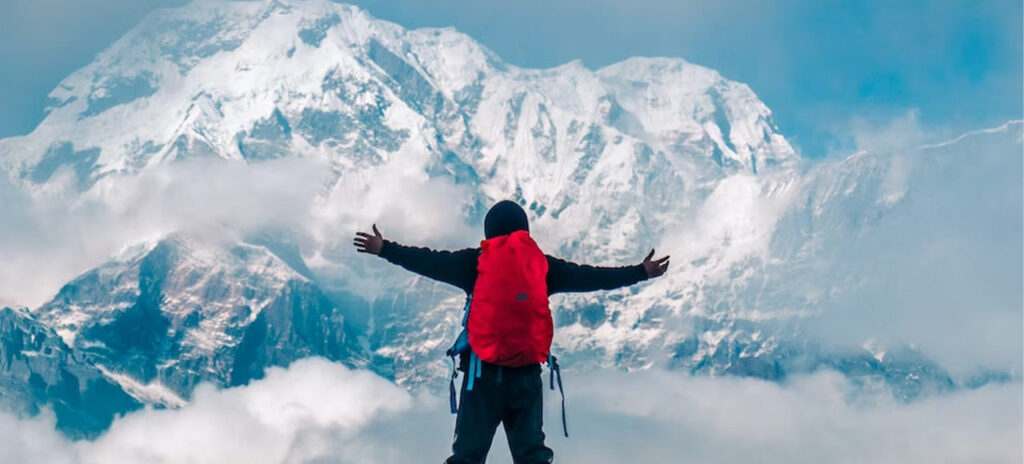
{"x": 479, "y": 415}
{"x": 523, "y": 415}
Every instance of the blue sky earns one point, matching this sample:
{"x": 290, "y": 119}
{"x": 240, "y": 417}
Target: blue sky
{"x": 824, "y": 67}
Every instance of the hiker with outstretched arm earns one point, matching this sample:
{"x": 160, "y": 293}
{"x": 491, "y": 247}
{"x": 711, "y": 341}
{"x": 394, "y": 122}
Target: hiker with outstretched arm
{"x": 508, "y": 325}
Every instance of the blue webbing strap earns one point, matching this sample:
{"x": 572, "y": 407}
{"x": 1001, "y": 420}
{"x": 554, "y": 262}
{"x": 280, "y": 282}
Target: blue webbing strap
{"x": 473, "y": 374}
{"x": 451, "y": 388}
{"x": 558, "y": 375}
{"x": 465, "y": 309}
{"x": 556, "y": 372}
{"x": 551, "y": 370}
{"x": 461, "y": 344}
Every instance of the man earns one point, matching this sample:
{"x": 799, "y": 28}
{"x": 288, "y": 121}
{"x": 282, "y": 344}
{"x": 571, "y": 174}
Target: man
{"x": 502, "y": 394}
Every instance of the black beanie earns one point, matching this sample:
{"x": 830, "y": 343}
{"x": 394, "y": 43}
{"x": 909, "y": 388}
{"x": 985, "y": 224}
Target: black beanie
{"x": 504, "y": 218}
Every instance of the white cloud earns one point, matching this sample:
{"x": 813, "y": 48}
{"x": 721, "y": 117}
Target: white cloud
{"x": 899, "y": 133}
{"x": 939, "y": 264}
{"x": 317, "y": 411}
{"x": 292, "y": 415}
{"x": 813, "y": 419}
{"x": 53, "y": 236}
{"x": 56, "y": 235}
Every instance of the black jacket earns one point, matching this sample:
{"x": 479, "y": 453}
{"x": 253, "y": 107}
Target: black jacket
{"x": 459, "y": 269}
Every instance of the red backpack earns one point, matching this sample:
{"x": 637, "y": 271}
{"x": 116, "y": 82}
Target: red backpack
{"x": 509, "y": 318}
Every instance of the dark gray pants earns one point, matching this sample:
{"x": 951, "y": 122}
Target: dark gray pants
{"x": 513, "y": 397}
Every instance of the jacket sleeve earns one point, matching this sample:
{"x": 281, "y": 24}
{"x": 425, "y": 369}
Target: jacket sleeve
{"x": 457, "y": 268}
{"x": 564, "y": 276}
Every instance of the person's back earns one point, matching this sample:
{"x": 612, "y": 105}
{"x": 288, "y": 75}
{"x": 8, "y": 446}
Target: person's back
{"x": 508, "y": 390}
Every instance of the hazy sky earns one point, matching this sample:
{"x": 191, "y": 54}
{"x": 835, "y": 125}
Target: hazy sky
{"x": 821, "y": 66}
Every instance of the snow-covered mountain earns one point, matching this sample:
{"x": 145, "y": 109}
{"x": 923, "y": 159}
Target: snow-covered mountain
{"x": 266, "y": 79}
{"x": 648, "y": 152}
{"x": 174, "y": 313}
{"x": 627, "y": 147}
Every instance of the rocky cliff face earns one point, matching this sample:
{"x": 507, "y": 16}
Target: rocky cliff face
{"x": 38, "y": 371}
{"x": 180, "y": 312}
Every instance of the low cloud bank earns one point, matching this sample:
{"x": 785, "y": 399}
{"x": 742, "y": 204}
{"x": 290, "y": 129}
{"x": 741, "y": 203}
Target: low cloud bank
{"x": 666, "y": 417}
{"x": 317, "y": 411}
{"x": 48, "y": 238}
{"x": 939, "y": 264}
{"x": 55, "y": 235}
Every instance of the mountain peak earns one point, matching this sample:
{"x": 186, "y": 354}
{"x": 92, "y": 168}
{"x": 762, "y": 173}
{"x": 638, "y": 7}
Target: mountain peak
{"x": 211, "y": 78}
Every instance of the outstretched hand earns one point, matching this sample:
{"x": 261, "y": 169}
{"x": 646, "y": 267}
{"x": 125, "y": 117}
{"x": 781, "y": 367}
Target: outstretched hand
{"x": 366, "y": 243}
{"x": 656, "y": 267}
